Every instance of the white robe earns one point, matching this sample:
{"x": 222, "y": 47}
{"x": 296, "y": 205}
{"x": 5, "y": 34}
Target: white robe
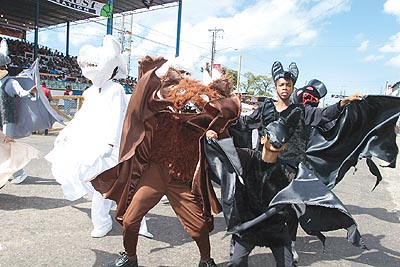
{"x": 13, "y": 157}
{"x": 97, "y": 124}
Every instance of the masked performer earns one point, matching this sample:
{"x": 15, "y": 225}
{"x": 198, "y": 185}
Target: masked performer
{"x": 362, "y": 130}
{"x": 372, "y": 118}
{"x": 366, "y": 123}
{"x": 271, "y": 111}
{"x": 90, "y": 141}
{"x": 161, "y": 155}
{"x": 14, "y": 156}
{"x": 257, "y": 196}
{"x": 311, "y": 94}
{"x": 23, "y": 108}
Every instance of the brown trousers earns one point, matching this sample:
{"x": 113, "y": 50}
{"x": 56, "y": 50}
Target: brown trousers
{"x": 153, "y": 185}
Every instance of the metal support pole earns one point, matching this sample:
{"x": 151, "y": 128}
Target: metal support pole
{"x": 178, "y": 28}
{"x": 110, "y": 20}
{"x": 67, "y": 41}
{"x": 35, "y": 50}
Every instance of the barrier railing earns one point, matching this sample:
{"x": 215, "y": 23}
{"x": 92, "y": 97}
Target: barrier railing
{"x": 67, "y": 106}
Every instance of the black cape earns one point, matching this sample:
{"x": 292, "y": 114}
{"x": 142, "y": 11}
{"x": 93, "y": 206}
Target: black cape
{"x": 316, "y": 206}
{"x": 364, "y": 129}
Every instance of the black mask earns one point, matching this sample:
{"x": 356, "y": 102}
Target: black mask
{"x": 310, "y": 94}
{"x": 278, "y": 132}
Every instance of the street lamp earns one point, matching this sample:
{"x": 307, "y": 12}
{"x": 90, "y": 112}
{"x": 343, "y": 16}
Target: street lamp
{"x": 239, "y": 66}
{"x": 238, "y": 74}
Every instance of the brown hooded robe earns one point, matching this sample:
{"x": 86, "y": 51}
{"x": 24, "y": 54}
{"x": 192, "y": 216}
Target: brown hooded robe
{"x": 119, "y": 183}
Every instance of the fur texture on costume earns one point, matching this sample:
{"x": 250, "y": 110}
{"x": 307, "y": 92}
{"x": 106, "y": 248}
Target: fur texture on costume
{"x": 174, "y": 141}
{"x": 222, "y": 85}
{"x": 175, "y": 137}
{"x": 191, "y": 96}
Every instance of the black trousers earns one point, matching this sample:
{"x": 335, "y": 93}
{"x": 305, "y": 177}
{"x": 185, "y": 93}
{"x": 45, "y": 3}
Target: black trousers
{"x": 240, "y": 251}
{"x": 293, "y": 224}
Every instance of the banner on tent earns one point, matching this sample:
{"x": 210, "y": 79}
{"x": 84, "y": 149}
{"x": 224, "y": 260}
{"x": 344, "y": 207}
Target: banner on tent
{"x": 87, "y": 6}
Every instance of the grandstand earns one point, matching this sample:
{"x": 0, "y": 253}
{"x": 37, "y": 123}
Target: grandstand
{"x": 19, "y": 15}
{"x": 58, "y": 68}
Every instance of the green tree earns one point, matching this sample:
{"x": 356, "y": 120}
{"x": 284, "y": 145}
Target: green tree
{"x": 252, "y": 84}
{"x": 232, "y": 74}
{"x": 257, "y": 85}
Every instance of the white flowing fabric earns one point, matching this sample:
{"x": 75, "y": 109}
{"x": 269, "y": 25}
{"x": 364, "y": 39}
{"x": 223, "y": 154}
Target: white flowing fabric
{"x": 78, "y": 153}
{"x": 13, "y": 157}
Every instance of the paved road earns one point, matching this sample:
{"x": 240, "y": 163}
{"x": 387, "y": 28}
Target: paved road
{"x": 40, "y": 228}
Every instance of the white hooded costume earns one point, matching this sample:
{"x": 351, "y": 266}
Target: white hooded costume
{"x": 89, "y": 144}
{"x": 21, "y": 112}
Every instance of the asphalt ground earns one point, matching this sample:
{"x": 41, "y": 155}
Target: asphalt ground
{"x": 40, "y": 228}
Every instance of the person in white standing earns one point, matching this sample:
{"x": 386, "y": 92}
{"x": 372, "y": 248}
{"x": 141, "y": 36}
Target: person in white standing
{"x": 9, "y": 90}
{"x": 90, "y": 141}
{"x": 14, "y": 156}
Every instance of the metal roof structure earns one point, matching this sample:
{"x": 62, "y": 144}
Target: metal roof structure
{"x": 20, "y": 14}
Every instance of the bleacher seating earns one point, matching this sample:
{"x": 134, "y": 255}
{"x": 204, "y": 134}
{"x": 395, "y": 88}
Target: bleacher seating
{"x": 58, "y": 70}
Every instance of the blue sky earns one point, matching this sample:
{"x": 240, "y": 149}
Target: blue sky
{"x": 350, "y": 45}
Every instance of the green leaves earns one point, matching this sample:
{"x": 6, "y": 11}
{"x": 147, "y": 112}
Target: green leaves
{"x": 106, "y": 11}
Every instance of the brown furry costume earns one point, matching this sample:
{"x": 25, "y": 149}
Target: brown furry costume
{"x": 175, "y": 137}
{"x": 160, "y": 154}
{"x": 150, "y": 123}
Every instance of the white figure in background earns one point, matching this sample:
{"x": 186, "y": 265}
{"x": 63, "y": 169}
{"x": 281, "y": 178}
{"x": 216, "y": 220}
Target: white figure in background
{"x": 23, "y": 110}
{"x": 89, "y": 144}
{"x": 14, "y": 156}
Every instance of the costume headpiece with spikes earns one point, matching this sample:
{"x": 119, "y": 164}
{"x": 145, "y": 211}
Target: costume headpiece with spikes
{"x": 278, "y": 72}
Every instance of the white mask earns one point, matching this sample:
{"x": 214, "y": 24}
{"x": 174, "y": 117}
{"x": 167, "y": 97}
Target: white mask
{"x": 98, "y": 63}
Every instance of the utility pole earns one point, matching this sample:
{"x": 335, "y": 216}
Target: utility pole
{"x": 215, "y": 32}
{"x": 125, "y": 36}
{"x": 238, "y": 73}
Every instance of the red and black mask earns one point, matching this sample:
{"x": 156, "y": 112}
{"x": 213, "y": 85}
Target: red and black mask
{"x": 310, "y": 94}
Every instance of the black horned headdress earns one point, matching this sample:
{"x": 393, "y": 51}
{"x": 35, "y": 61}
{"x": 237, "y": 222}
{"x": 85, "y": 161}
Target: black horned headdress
{"x": 278, "y": 71}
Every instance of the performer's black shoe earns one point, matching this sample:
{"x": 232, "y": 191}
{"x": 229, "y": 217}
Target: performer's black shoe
{"x": 123, "y": 261}
{"x": 207, "y": 263}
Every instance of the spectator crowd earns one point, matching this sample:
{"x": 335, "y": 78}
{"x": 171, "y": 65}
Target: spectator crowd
{"x": 53, "y": 64}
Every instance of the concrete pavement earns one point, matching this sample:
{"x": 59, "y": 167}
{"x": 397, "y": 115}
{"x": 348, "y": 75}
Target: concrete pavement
{"x": 39, "y": 228}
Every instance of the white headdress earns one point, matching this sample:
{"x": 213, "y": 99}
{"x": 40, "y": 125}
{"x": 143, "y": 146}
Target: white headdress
{"x": 4, "y": 58}
{"x": 98, "y": 63}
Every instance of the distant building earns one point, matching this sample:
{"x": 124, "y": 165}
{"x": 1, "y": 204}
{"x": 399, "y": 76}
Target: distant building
{"x": 393, "y": 89}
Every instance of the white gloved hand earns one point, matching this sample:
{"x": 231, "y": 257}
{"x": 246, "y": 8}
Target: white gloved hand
{"x": 106, "y": 151}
